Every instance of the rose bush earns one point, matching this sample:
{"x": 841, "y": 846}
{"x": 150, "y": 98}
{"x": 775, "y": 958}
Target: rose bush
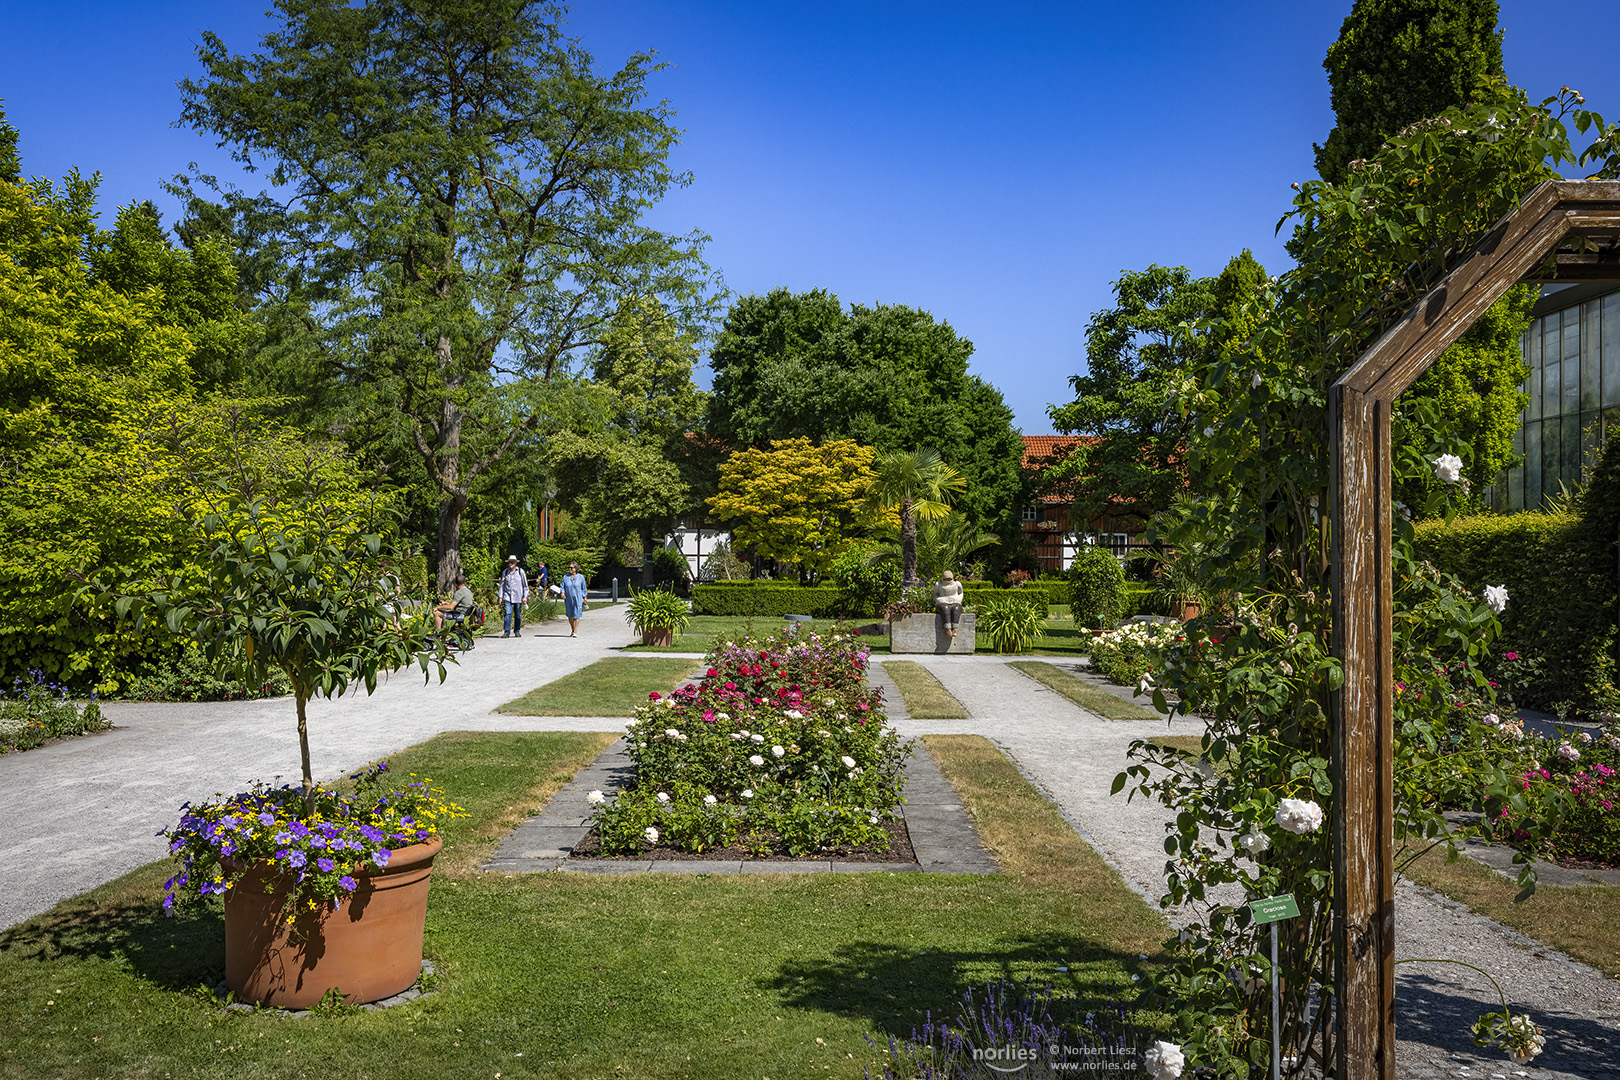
{"x": 781, "y": 747}
{"x": 1134, "y": 650}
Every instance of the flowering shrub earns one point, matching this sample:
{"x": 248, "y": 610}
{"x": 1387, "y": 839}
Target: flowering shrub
{"x": 1133, "y": 651}
{"x": 317, "y": 855}
{"x": 36, "y": 711}
{"x": 782, "y": 746}
{"x": 1577, "y": 783}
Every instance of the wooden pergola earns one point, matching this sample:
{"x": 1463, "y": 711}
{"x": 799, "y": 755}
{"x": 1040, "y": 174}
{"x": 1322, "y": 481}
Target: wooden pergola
{"x": 1563, "y": 231}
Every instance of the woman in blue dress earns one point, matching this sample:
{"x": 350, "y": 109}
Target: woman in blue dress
{"x": 573, "y": 587}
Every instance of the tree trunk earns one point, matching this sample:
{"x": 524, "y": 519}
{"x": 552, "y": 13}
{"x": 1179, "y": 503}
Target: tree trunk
{"x": 450, "y": 510}
{"x": 908, "y": 542}
{"x": 646, "y": 550}
{"x": 301, "y": 697}
{"x": 447, "y": 470}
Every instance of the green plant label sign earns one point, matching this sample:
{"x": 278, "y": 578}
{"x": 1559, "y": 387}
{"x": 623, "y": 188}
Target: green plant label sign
{"x": 1273, "y": 908}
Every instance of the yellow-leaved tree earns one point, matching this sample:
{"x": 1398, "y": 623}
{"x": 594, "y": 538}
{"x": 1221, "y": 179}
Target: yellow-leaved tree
{"x": 798, "y": 502}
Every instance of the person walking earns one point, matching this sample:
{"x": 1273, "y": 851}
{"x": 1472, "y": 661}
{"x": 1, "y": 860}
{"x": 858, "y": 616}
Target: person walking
{"x": 573, "y": 587}
{"x": 514, "y": 593}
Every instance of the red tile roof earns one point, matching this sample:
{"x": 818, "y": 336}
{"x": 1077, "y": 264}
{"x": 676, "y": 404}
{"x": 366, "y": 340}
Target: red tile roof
{"x": 1038, "y": 448}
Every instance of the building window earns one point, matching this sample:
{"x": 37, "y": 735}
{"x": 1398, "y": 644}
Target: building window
{"x": 1030, "y": 513}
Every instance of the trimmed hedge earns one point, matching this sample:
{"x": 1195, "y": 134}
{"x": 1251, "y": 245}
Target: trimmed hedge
{"x": 1143, "y": 598}
{"x": 1559, "y": 606}
{"x": 975, "y": 593}
{"x": 766, "y": 600}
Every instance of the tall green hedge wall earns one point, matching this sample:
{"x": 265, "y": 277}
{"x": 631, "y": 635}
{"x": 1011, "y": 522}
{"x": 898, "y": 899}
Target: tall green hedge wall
{"x": 766, "y": 600}
{"x": 1560, "y": 600}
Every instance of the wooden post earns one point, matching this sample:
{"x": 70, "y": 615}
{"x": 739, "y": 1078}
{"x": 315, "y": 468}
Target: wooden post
{"x": 1363, "y": 736}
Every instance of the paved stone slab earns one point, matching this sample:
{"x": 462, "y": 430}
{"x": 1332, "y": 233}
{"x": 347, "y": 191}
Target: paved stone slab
{"x": 784, "y": 866}
{"x": 604, "y": 866}
{"x": 697, "y": 866}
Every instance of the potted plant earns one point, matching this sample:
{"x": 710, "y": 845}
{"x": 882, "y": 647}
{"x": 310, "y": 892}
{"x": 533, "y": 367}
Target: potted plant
{"x": 321, "y": 889}
{"x": 658, "y": 616}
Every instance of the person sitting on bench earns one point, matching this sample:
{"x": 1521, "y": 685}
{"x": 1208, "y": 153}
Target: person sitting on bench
{"x": 457, "y": 608}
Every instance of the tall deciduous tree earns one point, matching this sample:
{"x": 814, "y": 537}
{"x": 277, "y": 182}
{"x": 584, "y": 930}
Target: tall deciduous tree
{"x": 790, "y": 365}
{"x": 458, "y": 201}
{"x": 1399, "y": 61}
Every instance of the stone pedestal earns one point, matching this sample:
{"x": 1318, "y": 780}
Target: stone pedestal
{"x": 925, "y": 633}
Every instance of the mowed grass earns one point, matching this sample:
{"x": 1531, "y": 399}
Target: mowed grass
{"x": 1082, "y": 693}
{"x": 925, "y": 698}
{"x": 573, "y": 975}
{"x": 610, "y": 687}
{"x": 1582, "y": 921}
{"x": 1058, "y": 636}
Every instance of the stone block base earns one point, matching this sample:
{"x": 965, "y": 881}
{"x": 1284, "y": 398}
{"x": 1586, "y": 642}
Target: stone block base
{"x": 925, "y": 633}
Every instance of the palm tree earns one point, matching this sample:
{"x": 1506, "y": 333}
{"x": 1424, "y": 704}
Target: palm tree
{"x": 943, "y": 543}
{"x": 915, "y": 484}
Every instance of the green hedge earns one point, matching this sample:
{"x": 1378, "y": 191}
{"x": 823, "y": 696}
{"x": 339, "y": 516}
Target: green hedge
{"x": 1033, "y": 594}
{"x": 1558, "y": 606}
{"x": 1143, "y": 598}
{"x": 766, "y": 600}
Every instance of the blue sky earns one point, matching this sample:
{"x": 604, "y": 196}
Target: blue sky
{"x": 995, "y": 164}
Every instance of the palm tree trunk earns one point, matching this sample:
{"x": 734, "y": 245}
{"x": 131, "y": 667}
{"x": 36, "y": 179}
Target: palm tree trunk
{"x": 908, "y": 542}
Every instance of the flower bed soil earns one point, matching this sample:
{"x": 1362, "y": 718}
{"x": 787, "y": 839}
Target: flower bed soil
{"x": 899, "y": 851}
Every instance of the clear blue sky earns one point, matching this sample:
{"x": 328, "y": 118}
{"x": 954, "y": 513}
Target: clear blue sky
{"x": 995, "y": 164}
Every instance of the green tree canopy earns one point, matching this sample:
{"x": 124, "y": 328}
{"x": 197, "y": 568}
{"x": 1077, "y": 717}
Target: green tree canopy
{"x": 458, "y": 204}
{"x": 1399, "y": 61}
{"x": 797, "y": 502}
{"x": 1130, "y": 459}
{"x": 915, "y": 486}
{"x": 790, "y": 365}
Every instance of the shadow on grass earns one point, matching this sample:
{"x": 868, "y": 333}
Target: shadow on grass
{"x": 178, "y": 953}
{"x": 891, "y": 988}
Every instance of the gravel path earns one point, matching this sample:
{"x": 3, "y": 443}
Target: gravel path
{"x": 86, "y": 810}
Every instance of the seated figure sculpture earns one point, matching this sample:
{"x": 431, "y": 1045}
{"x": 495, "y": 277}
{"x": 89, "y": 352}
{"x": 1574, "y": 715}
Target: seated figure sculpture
{"x": 948, "y": 601}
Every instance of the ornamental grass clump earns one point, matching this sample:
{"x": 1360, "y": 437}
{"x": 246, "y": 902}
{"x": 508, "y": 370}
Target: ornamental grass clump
{"x": 781, "y": 748}
{"x": 316, "y": 854}
{"x": 1010, "y": 624}
{"x": 37, "y": 710}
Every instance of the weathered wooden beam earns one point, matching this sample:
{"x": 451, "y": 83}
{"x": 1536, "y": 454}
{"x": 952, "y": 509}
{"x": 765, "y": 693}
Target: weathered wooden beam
{"x": 1363, "y": 739}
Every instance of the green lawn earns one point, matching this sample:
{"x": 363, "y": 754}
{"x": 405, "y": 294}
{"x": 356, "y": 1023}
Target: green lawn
{"x": 1058, "y": 638}
{"x": 611, "y": 687}
{"x": 924, "y": 697}
{"x": 1083, "y": 693}
{"x": 564, "y": 975}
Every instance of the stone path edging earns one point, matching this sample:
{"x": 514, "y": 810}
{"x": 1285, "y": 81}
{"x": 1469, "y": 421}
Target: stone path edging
{"x": 942, "y": 836}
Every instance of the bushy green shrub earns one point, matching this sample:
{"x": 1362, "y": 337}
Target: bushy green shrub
{"x": 1134, "y": 650}
{"x": 865, "y": 588}
{"x": 1096, "y": 588}
{"x": 766, "y": 600}
{"x": 669, "y": 567}
{"x": 1142, "y": 598}
{"x": 1010, "y": 623}
{"x": 187, "y": 676}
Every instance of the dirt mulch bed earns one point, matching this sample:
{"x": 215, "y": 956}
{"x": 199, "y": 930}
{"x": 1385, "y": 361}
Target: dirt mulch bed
{"x": 899, "y": 851}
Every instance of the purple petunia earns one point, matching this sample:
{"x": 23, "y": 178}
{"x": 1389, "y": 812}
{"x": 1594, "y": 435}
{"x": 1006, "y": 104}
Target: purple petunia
{"x": 326, "y": 865}
{"x": 284, "y": 837}
{"x": 347, "y": 883}
{"x": 297, "y": 858}
{"x": 381, "y": 856}
{"x": 267, "y": 818}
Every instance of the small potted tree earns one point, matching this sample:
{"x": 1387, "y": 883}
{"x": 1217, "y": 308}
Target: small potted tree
{"x": 658, "y": 615}
{"x": 322, "y": 889}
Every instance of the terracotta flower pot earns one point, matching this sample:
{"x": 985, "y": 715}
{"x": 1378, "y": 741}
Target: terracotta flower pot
{"x": 1189, "y": 610}
{"x": 370, "y": 948}
{"x": 658, "y": 635}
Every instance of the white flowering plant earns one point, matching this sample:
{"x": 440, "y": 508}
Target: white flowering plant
{"x": 782, "y": 747}
{"x": 1134, "y": 650}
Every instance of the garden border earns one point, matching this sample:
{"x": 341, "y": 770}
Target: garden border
{"x": 942, "y": 835}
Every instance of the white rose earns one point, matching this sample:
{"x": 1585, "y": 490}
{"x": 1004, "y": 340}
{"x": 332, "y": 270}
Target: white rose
{"x": 757, "y": 738}
{"x": 755, "y": 760}
{"x": 1299, "y": 816}
{"x": 1254, "y": 843}
{"x": 663, "y": 798}
{"x": 1209, "y": 433}
{"x": 596, "y": 798}
{"x": 710, "y": 800}
{"x": 1491, "y": 720}
{"x": 748, "y": 793}
{"x": 849, "y": 762}
{"x": 631, "y": 725}
{"x": 777, "y": 751}
{"x": 1257, "y": 382}
{"x": 1496, "y": 598}
{"x": 1164, "y": 1060}
{"x": 671, "y": 732}
{"x": 1448, "y": 468}
{"x": 651, "y": 834}
{"x": 794, "y": 714}
{"x": 1568, "y": 752}
{"x": 722, "y": 716}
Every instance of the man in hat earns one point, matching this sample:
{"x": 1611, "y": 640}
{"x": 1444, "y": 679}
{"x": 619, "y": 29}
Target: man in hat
{"x": 514, "y": 593}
